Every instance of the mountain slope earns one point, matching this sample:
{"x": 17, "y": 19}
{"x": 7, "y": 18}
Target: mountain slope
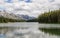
{"x": 9, "y": 15}
{"x": 26, "y": 17}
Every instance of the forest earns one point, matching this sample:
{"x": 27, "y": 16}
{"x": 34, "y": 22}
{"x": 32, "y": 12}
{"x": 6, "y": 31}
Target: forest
{"x": 6, "y": 20}
{"x": 50, "y": 17}
{"x": 46, "y": 17}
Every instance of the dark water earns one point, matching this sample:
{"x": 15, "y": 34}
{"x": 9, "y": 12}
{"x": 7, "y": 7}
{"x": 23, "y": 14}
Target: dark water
{"x": 28, "y": 30}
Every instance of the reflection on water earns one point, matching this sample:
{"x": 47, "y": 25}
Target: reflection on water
{"x": 24, "y": 30}
{"x": 2, "y": 36}
{"x": 53, "y": 31}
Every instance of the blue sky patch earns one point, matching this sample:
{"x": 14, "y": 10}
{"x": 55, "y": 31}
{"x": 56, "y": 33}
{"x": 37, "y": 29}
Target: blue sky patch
{"x": 8, "y": 1}
{"x": 27, "y": 1}
{"x": 2, "y": 7}
{"x": 51, "y": 0}
{"x": 21, "y": 0}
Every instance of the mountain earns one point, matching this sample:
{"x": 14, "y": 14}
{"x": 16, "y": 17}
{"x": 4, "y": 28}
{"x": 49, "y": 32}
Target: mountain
{"x": 26, "y": 17}
{"x": 15, "y": 16}
{"x": 9, "y": 15}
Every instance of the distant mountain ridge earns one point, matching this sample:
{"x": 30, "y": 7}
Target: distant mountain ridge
{"x": 26, "y": 17}
{"x": 15, "y": 16}
{"x": 9, "y": 15}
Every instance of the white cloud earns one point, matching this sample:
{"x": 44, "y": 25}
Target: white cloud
{"x": 33, "y": 9}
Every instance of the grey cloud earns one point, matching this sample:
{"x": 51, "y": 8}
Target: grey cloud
{"x": 36, "y": 7}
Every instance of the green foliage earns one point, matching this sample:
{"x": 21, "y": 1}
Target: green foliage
{"x": 53, "y": 31}
{"x": 50, "y": 17}
{"x": 6, "y": 20}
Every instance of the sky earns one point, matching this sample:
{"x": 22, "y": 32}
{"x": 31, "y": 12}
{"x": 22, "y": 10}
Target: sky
{"x": 29, "y": 7}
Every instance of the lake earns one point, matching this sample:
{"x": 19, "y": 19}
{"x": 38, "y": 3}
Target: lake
{"x": 27, "y": 30}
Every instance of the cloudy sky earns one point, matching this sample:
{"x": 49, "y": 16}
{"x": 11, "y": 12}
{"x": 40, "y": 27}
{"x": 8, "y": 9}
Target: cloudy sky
{"x": 29, "y": 7}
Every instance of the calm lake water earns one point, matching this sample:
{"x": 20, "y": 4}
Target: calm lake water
{"x": 26, "y": 30}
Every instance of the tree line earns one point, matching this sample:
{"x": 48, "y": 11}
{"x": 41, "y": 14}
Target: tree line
{"x": 50, "y": 17}
{"x": 6, "y": 20}
{"x": 46, "y": 17}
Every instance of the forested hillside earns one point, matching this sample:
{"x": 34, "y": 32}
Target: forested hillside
{"x": 6, "y": 20}
{"x": 50, "y": 17}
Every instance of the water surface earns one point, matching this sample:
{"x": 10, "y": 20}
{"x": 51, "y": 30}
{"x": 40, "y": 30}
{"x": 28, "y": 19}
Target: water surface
{"x": 26, "y": 30}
